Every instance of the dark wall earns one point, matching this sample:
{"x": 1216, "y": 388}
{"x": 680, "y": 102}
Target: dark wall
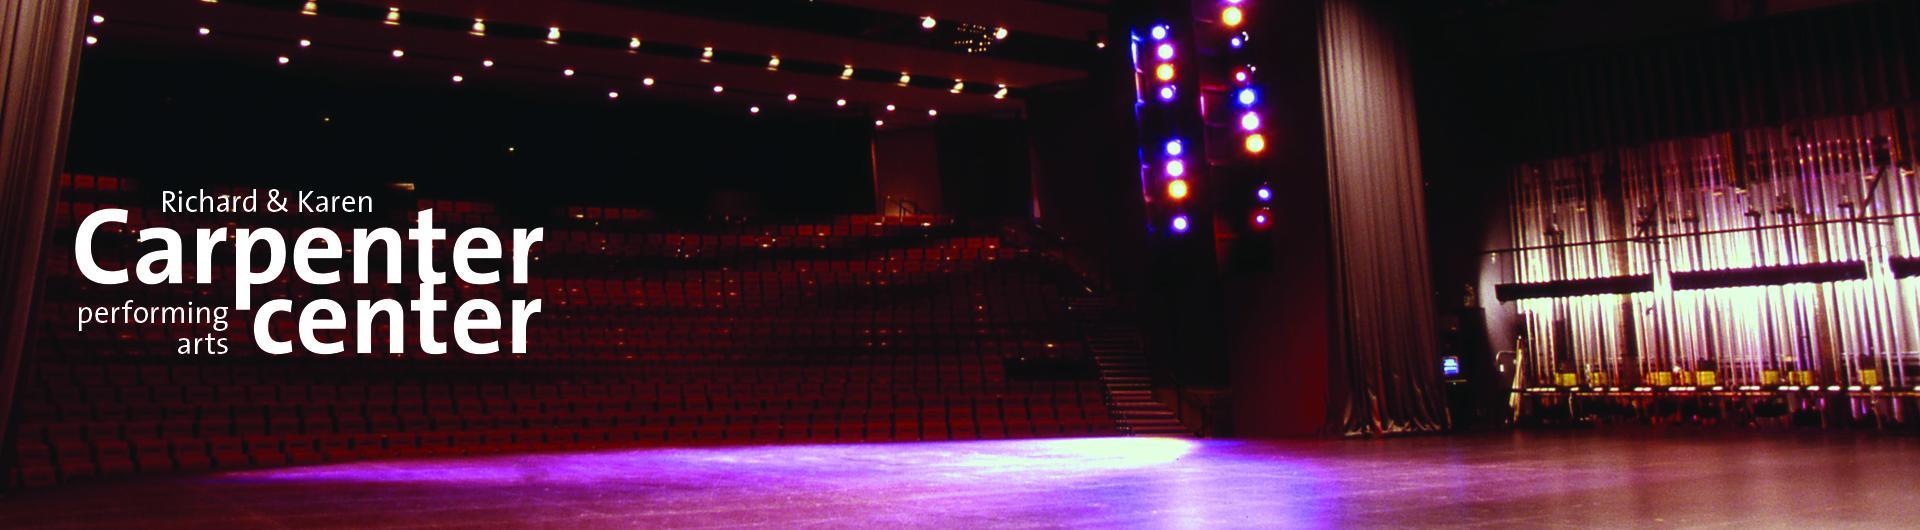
{"x": 906, "y": 170}
{"x": 180, "y": 118}
{"x": 983, "y": 166}
{"x": 1281, "y": 325}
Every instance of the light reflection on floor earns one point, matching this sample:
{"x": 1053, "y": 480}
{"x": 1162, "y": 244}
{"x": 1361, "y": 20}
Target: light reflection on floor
{"x": 1528, "y": 479}
{"x": 957, "y": 460}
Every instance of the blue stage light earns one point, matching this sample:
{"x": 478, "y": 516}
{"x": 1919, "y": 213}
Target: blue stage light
{"x": 1264, "y": 194}
{"x": 1247, "y": 96}
{"x": 1180, "y": 224}
{"x": 1166, "y": 93}
{"x": 1174, "y": 148}
{"x": 1164, "y": 51}
{"x": 1159, "y": 32}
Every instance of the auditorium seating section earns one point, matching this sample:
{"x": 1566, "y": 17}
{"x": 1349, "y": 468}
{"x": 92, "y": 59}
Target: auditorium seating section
{"x": 858, "y": 328}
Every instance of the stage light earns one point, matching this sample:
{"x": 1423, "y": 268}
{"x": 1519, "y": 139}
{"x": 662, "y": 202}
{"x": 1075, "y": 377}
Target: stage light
{"x": 1261, "y": 218}
{"x": 1166, "y": 93}
{"x": 1256, "y": 143}
{"x": 1158, "y": 32}
{"x": 457, "y": 79}
{"x": 567, "y": 72}
{"x": 633, "y": 43}
{"x": 840, "y": 102}
{"x": 1239, "y": 75}
{"x": 928, "y": 22}
{"x": 1176, "y": 168}
{"x": 553, "y": 35}
{"x": 1177, "y": 189}
{"x": 1164, "y": 51}
{"x": 398, "y": 53}
{"x": 393, "y": 16}
{"x": 877, "y": 123}
{"x": 306, "y": 43}
{"x": 905, "y": 78}
{"x": 773, "y": 63}
{"x": 1236, "y": 42}
{"x": 486, "y": 63}
{"x": 205, "y": 32}
{"x": 647, "y": 81}
{"x": 999, "y": 33}
{"x": 791, "y": 97}
{"x": 932, "y": 112}
{"x": 1247, "y": 96}
{"x": 958, "y": 86}
{"x": 846, "y": 72}
{"x": 1250, "y": 121}
{"x": 98, "y": 20}
{"x": 283, "y": 60}
{"x": 1231, "y": 16}
{"x": 889, "y": 107}
{"x": 1180, "y": 223}
{"x": 611, "y": 94}
{"x": 1164, "y": 72}
{"x": 479, "y": 28}
{"x": 92, "y": 40}
{"x": 1264, "y": 193}
{"x": 312, "y": 8}
{"x": 1174, "y": 148}
{"x": 1100, "y": 44}
{"x": 718, "y": 89}
{"x": 1001, "y": 93}
{"x": 753, "y": 109}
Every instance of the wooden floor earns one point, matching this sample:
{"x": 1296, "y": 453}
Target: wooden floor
{"x": 1558, "y": 479}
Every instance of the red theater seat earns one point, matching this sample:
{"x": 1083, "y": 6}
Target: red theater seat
{"x": 854, "y": 328}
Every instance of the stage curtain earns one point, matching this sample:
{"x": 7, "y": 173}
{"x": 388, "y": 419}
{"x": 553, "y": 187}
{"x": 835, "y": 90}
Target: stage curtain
{"x": 1386, "y": 375}
{"x": 1841, "y": 60}
{"x": 40, "y": 44}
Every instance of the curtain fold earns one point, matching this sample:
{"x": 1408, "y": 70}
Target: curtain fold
{"x": 1839, "y": 60}
{"x": 1385, "y": 369}
{"x": 39, "y": 57}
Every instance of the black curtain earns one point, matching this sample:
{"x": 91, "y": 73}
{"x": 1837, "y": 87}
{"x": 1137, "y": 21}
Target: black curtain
{"x": 1843, "y": 60}
{"x": 39, "y": 55}
{"x": 1384, "y": 366}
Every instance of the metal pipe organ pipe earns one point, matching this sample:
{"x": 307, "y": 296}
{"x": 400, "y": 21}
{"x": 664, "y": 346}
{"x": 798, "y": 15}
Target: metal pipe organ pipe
{"x": 1771, "y": 197}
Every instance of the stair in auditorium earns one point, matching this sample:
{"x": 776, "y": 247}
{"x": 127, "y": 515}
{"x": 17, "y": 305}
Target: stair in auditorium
{"x": 1120, "y": 356}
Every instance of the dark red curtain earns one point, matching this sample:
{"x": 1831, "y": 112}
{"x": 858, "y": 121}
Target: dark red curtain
{"x": 1385, "y": 370}
{"x": 39, "y": 55}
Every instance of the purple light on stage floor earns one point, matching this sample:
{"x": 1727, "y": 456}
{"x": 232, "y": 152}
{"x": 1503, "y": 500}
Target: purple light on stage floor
{"x": 1166, "y": 93}
{"x": 972, "y": 461}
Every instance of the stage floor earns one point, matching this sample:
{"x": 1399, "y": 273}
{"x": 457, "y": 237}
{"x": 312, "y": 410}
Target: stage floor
{"x": 1530, "y": 479}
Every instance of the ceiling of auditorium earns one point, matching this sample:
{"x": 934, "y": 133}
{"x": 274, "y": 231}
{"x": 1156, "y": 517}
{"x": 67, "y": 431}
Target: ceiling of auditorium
{"x": 759, "y": 52}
